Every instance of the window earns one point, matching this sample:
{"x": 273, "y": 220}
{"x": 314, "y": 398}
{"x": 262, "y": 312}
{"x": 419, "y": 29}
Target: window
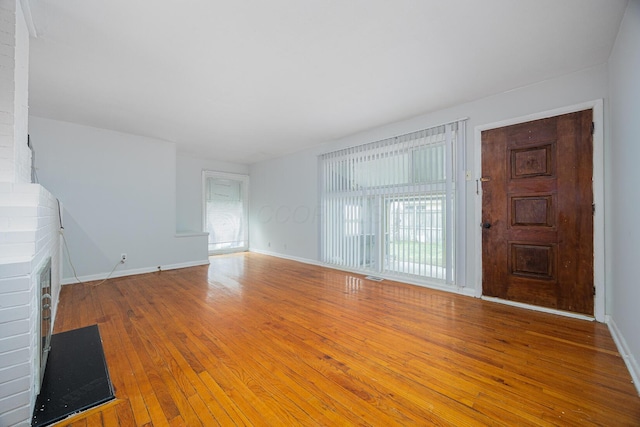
{"x": 225, "y": 211}
{"x": 390, "y": 207}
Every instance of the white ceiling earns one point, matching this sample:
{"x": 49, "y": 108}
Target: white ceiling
{"x": 249, "y": 80}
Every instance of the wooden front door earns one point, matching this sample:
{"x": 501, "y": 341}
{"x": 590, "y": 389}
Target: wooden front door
{"x": 537, "y": 212}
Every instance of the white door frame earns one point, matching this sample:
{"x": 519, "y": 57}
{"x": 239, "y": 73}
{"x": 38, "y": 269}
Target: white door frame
{"x": 245, "y": 200}
{"x": 598, "y": 199}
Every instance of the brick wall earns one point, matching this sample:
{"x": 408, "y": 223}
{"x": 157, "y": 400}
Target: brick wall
{"x": 7, "y": 88}
{"x": 15, "y": 156}
{"x": 28, "y": 237}
{"x": 21, "y": 151}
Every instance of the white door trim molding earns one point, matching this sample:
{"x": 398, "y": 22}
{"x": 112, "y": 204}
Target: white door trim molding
{"x": 245, "y": 180}
{"x": 598, "y": 193}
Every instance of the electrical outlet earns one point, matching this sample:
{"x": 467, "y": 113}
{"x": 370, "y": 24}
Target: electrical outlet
{"x": 123, "y": 258}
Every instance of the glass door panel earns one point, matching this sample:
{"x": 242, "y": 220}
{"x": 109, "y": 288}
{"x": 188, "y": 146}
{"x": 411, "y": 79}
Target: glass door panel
{"x": 414, "y": 234}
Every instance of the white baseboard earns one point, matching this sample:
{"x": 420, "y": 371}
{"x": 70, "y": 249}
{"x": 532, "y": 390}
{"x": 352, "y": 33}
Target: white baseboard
{"x": 623, "y": 349}
{"x": 289, "y": 257}
{"x": 452, "y": 289}
{"x": 133, "y": 271}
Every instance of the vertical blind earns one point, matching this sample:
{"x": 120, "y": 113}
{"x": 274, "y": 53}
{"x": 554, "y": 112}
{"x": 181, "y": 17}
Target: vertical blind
{"x": 390, "y": 206}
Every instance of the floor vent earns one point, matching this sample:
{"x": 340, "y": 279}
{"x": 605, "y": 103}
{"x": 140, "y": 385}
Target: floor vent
{"x": 374, "y": 278}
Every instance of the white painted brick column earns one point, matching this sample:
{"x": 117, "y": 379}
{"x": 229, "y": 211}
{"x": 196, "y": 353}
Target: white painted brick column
{"x": 28, "y": 229}
{"x": 15, "y": 156}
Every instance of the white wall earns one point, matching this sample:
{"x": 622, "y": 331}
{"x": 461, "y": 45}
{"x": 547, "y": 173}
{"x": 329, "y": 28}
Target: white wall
{"x": 624, "y": 69}
{"x": 119, "y": 193}
{"x": 189, "y": 188}
{"x": 285, "y": 189}
{"x": 284, "y": 206}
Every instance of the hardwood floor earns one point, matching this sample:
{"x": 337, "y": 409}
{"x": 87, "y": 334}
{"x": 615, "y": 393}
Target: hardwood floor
{"x": 257, "y": 340}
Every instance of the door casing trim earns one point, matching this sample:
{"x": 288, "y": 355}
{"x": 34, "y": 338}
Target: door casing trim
{"x": 597, "y": 106}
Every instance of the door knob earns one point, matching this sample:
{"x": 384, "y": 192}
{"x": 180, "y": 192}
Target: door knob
{"x": 486, "y": 225}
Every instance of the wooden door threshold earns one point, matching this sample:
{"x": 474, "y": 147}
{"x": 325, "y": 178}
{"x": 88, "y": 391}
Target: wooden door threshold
{"x": 539, "y": 308}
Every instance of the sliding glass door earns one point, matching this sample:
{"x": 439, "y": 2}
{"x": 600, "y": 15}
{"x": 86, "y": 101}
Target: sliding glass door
{"x": 390, "y": 207}
{"x": 225, "y": 202}
{"x": 415, "y": 230}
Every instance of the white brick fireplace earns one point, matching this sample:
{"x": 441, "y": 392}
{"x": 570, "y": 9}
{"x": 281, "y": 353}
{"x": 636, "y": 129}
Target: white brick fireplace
{"x": 29, "y": 227}
{"x": 28, "y": 237}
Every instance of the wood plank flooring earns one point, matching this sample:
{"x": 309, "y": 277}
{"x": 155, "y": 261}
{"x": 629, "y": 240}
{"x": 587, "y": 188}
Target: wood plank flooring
{"x": 257, "y": 340}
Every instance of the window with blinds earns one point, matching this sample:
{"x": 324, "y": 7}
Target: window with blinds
{"x": 225, "y": 211}
{"x": 390, "y": 207}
